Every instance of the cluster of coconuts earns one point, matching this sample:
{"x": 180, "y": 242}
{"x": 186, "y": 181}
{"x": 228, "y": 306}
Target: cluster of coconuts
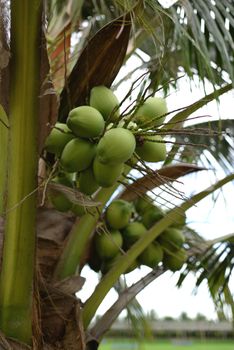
{"x": 125, "y": 223}
{"x": 94, "y": 144}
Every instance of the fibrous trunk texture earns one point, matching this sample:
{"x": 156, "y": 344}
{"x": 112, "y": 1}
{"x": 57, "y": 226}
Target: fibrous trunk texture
{"x": 58, "y": 311}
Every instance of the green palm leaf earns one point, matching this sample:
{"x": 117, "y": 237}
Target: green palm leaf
{"x": 217, "y": 136}
{"x": 188, "y": 30}
{"x": 212, "y": 262}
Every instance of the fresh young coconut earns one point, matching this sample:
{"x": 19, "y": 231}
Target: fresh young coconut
{"x": 78, "y": 210}
{"x": 132, "y": 232}
{"x": 151, "y": 112}
{"x": 87, "y": 181}
{"x": 151, "y": 216}
{"x": 118, "y": 213}
{"x": 86, "y": 121}
{"x": 175, "y": 261}
{"x": 152, "y": 149}
{"x": 116, "y": 146}
{"x": 108, "y": 244}
{"x": 78, "y": 155}
{"x": 172, "y": 239}
{"x": 106, "y": 175}
{"x": 152, "y": 255}
{"x": 142, "y": 204}
{"x": 58, "y": 138}
{"x": 58, "y": 199}
{"x": 105, "y": 101}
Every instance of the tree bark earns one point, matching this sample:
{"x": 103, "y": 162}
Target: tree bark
{"x": 57, "y": 311}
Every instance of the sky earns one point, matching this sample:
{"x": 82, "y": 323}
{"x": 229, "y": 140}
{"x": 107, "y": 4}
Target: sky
{"x": 210, "y": 221}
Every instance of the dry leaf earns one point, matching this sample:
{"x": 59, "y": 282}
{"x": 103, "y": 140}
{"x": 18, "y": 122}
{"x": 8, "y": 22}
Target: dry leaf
{"x": 98, "y": 64}
{"x": 157, "y": 178}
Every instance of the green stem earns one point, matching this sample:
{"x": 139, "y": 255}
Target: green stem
{"x": 19, "y": 240}
{"x": 124, "y": 261}
{"x": 79, "y": 237}
{"x": 3, "y": 157}
{"x": 180, "y": 117}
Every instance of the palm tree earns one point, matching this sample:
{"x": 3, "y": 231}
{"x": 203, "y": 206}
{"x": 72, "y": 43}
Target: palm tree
{"x": 44, "y": 250}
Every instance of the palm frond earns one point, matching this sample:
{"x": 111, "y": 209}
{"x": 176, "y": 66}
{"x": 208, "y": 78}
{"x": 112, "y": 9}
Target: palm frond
{"x": 95, "y": 65}
{"x": 157, "y": 178}
{"x": 127, "y": 300}
{"x": 212, "y": 262}
{"x": 61, "y": 14}
{"x": 217, "y": 136}
{"x": 196, "y": 37}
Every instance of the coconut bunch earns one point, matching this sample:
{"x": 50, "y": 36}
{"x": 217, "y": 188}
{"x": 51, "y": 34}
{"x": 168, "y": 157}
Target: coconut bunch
{"x": 86, "y": 146}
{"x": 125, "y": 223}
{"x": 96, "y": 141}
{"x": 171, "y": 240}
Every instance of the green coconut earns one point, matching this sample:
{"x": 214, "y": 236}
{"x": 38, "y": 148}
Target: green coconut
{"x": 78, "y": 155}
{"x": 78, "y": 210}
{"x": 105, "y": 101}
{"x": 58, "y": 199}
{"x": 175, "y": 261}
{"x": 86, "y": 121}
{"x": 132, "y": 232}
{"x": 142, "y": 204}
{"x": 58, "y": 138}
{"x": 118, "y": 213}
{"x": 116, "y": 146}
{"x": 87, "y": 182}
{"x": 152, "y": 255}
{"x": 106, "y": 175}
{"x": 172, "y": 239}
{"x": 108, "y": 244}
{"x": 152, "y": 149}
{"x": 151, "y": 112}
{"x": 151, "y": 216}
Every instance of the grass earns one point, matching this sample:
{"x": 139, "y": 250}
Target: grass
{"x": 176, "y": 344}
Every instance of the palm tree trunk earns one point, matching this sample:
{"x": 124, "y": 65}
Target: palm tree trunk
{"x": 19, "y": 236}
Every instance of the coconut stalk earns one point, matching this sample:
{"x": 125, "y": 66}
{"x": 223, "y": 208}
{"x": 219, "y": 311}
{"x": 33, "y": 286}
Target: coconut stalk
{"x": 123, "y": 262}
{"x": 19, "y": 236}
